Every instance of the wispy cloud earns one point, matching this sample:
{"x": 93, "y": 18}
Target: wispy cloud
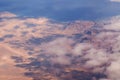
{"x": 115, "y": 0}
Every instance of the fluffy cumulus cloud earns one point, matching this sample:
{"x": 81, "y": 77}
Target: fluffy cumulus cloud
{"x": 113, "y": 23}
{"x": 97, "y": 49}
{"x": 101, "y": 54}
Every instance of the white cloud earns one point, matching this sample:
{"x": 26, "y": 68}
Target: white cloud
{"x": 112, "y": 24}
{"x": 102, "y": 52}
{"x": 115, "y": 0}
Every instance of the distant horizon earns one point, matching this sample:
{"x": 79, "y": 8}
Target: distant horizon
{"x": 61, "y": 10}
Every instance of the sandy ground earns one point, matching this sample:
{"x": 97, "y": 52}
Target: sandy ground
{"x": 8, "y": 70}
